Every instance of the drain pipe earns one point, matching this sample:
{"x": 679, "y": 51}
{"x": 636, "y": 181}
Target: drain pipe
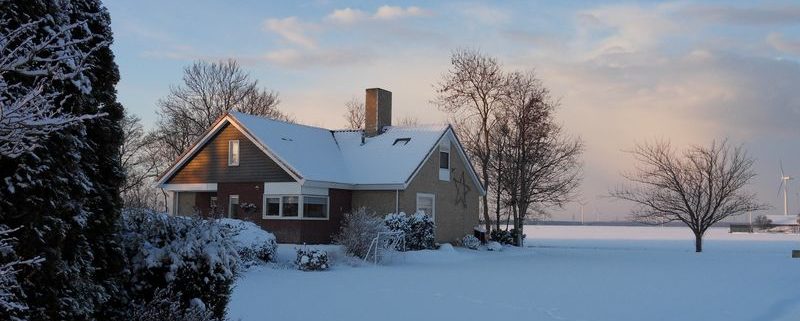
{"x": 396, "y": 201}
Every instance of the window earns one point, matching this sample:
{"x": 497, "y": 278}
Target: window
{"x": 233, "y": 205}
{"x": 401, "y": 141}
{"x": 316, "y": 207}
{"x": 289, "y": 207}
{"x": 273, "y": 206}
{"x": 444, "y": 165}
{"x": 233, "y": 153}
{"x": 426, "y": 203}
{"x": 444, "y": 160}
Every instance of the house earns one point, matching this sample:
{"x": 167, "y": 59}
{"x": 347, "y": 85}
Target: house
{"x": 298, "y": 181}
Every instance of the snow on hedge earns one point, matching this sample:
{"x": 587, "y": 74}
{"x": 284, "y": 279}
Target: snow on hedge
{"x": 254, "y": 244}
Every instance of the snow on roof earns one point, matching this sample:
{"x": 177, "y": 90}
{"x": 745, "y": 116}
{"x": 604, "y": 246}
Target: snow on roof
{"x": 320, "y": 154}
{"x": 388, "y": 158}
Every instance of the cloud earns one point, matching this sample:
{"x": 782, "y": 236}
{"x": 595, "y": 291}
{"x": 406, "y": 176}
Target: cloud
{"x": 299, "y": 59}
{"x": 390, "y": 12}
{"x": 761, "y": 15}
{"x": 292, "y": 30}
{"x": 777, "y": 41}
{"x": 351, "y": 16}
{"x": 347, "y": 16}
{"x": 485, "y": 14}
{"x": 623, "y": 29}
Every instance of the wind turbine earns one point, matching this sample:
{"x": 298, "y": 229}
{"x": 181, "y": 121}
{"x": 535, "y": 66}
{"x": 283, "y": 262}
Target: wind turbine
{"x": 785, "y": 185}
{"x": 583, "y": 204}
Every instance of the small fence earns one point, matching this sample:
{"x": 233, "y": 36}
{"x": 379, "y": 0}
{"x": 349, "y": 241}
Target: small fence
{"x": 383, "y": 243}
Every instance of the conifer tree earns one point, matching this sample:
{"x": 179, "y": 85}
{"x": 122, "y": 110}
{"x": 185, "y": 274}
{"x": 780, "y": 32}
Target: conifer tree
{"x": 63, "y": 191}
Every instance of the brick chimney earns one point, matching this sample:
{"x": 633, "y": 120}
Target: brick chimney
{"x": 378, "y": 113}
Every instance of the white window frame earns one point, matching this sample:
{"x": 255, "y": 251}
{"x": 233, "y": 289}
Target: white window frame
{"x": 444, "y": 173}
{"x": 433, "y": 203}
{"x": 300, "y": 202}
{"x": 231, "y": 144}
{"x": 230, "y": 198}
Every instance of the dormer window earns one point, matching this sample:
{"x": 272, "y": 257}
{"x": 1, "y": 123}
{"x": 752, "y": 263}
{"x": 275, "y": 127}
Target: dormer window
{"x": 233, "y": 153}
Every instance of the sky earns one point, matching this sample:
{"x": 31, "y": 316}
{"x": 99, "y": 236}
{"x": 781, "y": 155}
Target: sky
{"x": 624, "y": 72}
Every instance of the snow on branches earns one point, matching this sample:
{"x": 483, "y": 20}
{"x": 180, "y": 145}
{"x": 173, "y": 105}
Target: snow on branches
{"x": 11, "y": 299}
{"x": 29, "y": 110}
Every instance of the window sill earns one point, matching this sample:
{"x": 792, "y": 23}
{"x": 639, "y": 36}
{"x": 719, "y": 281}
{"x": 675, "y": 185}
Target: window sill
{"x": 294, "y": 218}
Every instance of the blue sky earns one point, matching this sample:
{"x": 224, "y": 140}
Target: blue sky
{"x": 625, "y": 72}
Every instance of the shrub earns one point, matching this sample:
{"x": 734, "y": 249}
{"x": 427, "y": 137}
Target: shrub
{"x": 418, "y": 228}
{"x": 253, "y": 244}
{"x": 165, "y": 305}
{"x": 762, "y": 222}
{"x": 505, "y": 237}
{"x": 311, "y": 260}
{"x": 396, "y": 222}
{"x": 494, "y": 246}
{"x": 194, "y": 255}
{"x": 357, "y": 231}
{"x": 471, "y": 242}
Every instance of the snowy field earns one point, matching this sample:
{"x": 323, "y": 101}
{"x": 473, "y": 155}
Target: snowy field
{"x": 563, "y": 273}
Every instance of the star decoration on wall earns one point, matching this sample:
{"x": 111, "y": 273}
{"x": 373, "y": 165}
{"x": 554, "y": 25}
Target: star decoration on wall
{"x": 462, "y": 188}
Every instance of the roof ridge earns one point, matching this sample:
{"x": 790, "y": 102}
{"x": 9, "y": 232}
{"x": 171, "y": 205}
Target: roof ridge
{"x": 277, "y": 120}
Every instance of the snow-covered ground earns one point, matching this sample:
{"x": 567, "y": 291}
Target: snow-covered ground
{"x": 564, "y": 273}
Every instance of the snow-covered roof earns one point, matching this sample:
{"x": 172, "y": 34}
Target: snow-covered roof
{"x": 338, "y": 156}
{"x": 310, "y": 152}
{"x": 388, "y": 158}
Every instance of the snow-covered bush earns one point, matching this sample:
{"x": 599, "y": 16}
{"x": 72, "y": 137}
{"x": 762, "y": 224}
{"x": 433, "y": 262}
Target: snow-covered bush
{"x": 470, "y": 242}
{"x": 165, "y": 305}
{"x": 196, "y": 256}
{"x": 505, "y": 237}
{"x": 494, "y": 246}
{"x": 357, "y": 231}
{"x": 254, "y": 244}
{"x": 418, "y": 228}
{"x": 311, "y": 260}
{"x": 396, "y": 221}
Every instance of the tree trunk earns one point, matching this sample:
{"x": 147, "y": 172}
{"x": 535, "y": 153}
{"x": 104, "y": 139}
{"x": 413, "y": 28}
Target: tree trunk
{"x": 487, "y": 220}
{"x": 497, "y": 205}
{"x": 698, "y": 242}
{"x": 485, "y": 173}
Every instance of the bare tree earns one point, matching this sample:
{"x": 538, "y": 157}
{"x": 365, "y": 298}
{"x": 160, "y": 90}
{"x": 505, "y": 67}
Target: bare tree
{"x": 762, "y": 222}
{"x": 29, "y": 114}
{"x": 541, "y": 165}
{"x": 699, "y": 187}
{"x": 141, "y": 163}
{"x": 408, "y": 121}
{"x": 355, "y": 114}
{"x": 472, "y": 90}
{"x": 208, "y": 91}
